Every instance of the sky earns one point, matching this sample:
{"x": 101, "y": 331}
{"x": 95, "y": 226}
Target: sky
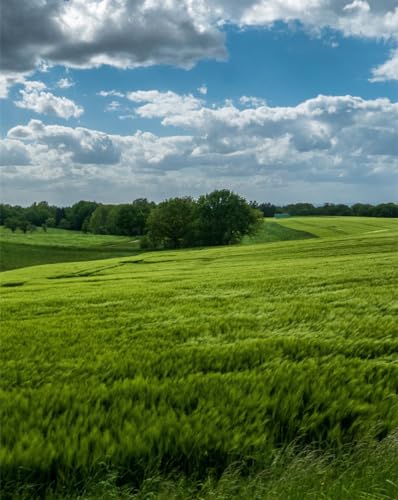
{"x": 282, "y": 101}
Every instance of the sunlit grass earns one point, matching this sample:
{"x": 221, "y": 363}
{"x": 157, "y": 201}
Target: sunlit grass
{"x": 59, "y": 245}
{"x": 192, "y": 361}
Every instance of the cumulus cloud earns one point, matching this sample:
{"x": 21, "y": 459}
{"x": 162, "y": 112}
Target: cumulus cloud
{"x": 81, "y": 146}
{"x": 120, "y": 33}
{"x": 113, "y": 106}
{"x": 161, "y": 104}
{"x": 8, "y": 79}
{"x": 388, "y": 70}
{"x": 371, "y": 18}
{"x": 251, "y": 101}
{"x": 78, "y": 145}
{"x": 325, "y": 141}
{"x": 65, "y": 83}
{"x": 202, "y": 89}
{"x": 112, "y": 93}
{"x": 90, "y": 33}
{"x": 35, "y": 97}
{"x": 13, "y": 152}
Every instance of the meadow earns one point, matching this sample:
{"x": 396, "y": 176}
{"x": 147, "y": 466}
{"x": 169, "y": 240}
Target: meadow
{"x": 58, "y": 245}
{"x": 265, "y": 370}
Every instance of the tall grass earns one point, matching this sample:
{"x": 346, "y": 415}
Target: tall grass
{"x": 183, "y": 364}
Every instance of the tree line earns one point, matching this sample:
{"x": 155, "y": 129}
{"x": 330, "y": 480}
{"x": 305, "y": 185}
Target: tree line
{"x": 218, "y": 218}
{"x": 302, "y": 209}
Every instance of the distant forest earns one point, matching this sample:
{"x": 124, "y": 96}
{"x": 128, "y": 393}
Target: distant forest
{"x": 221, "y": 217}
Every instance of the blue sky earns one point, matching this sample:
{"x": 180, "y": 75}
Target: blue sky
{"x": 278, "y": 105}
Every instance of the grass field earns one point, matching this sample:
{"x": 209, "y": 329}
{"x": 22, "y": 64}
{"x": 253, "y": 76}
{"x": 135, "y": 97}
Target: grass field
{"x": 58, "y": 245}
{"x": 207, "y": 363}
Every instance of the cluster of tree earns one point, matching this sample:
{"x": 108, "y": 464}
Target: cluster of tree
{"x": 88, "y": 216}
{"x": 218, "y": 218}
{"x": 359, "y": 209}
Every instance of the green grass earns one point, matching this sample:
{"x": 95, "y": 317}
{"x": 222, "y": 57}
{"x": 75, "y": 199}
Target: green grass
{"x": 271, "y": 231}
{"x": 59, "y": 245}
{"x": 339, "y": 226}
{"x": 121, "y": 371}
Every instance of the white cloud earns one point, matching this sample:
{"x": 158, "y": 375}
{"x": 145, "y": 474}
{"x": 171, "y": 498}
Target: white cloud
{"x": 112, "y": 93}
{"x": 35, "y": 97}
{"x": 13, "y": 152}
{"x": 8, "y": 79}
{"x": 331, "y": 144}
{"x": 161, "y": 104}
{"x": 65, "y": 83}
{"x": 113, "y": 106}
{"x": 86, "y": 146}
{"x": 120, "y": 33}
{"x": 202, "y": 89}
{"x": 370, "y": 19}
{"x": 357, "y": 5}
{"x": 388, "y": 70}
{"x": 252, "y": 101}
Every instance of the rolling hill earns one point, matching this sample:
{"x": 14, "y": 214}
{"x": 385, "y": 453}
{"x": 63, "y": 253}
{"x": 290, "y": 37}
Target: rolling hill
{"x": 191, "y": 361}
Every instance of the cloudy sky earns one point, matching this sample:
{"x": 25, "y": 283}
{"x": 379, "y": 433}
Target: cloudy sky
{"x": 279, "y": 100}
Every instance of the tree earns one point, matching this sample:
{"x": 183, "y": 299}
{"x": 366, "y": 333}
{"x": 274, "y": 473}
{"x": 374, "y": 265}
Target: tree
{"x": 300, "y": 209}
{"x": 50, "y": 222}
{"x": 79, "y": 212}
{"x": 362, "y": 209}
{"x": 11, "y": 223}
{"x": 38, "y": 213}
{"x": 97, "y": 223}
{"x": 131, "y": 219}
{"x": 64, "y": 224}
{"x": 225, "y": 217}
{"x": 386, "y": 210}
{"x": 59, "y": 215}
{"x": 24, "y": 225}
{"x": 6, "y": 211}
{"x": 172, "y": 223}
{"x": 268, "y": 209}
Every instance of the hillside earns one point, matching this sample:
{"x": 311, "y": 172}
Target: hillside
{"x": 59, "y": 245}
{"x": 340, "y": 226}
{"x": 198, "y": 359}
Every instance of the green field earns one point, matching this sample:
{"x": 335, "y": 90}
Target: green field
{"x": 58, "y": 245}
{"x": 207, "y": 363}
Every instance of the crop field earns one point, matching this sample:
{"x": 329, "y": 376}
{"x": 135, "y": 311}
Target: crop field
{"x": 339, "y": 226}
{"x": 192, "y": 361}
{"x": 59, "y": 245}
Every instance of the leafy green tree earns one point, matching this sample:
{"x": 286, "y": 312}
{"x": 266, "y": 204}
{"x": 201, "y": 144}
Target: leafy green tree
{"x": 300, "y": 209}
{"x": 172, "y": 223}
{"x": 11, "y": 223}
{"x": 225, "y": 217}
{"x": 6, "y": 212}
{"x": 131, "y": 219}
{"x": 64, "y": 224}
{"x": 9, "y": 211}
{"x": 79, "y": 212}
{"x": 386, "y": 210}
{"x": 98, "y": 221}
{"x": 268, "y": 209}
{"x": 50, "y": 222}
{"x": 24, "y": 225}
{"x": 333, "y": 209}
{"x": 59, "y": 215}
{"x": 38, "y": 213}
{"x": 362, "y": 209}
